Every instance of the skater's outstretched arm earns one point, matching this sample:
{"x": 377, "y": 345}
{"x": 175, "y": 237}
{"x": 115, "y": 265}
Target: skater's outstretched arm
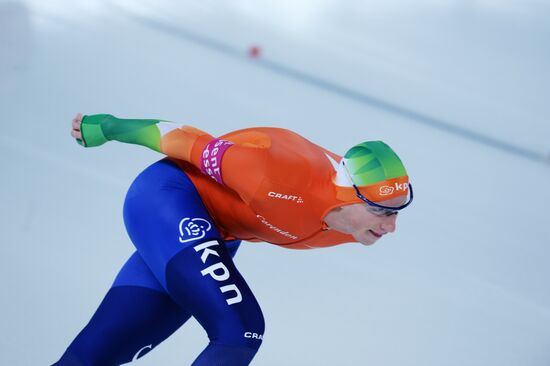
{"x": 243, "y": 164}
{"x": 97, "y": 129}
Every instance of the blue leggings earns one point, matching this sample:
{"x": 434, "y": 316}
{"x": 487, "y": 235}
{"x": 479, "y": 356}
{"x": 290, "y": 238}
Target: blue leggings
{"x": 181, "y": 268}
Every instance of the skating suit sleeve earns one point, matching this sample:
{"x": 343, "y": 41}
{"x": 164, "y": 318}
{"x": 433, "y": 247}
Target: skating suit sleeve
{"x": 243, "y": 152}
{"x": 236, "y": 160}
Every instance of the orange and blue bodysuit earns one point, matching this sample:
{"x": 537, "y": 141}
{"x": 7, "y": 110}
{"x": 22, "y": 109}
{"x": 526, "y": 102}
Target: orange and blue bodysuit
{"x": 186, "y": 215}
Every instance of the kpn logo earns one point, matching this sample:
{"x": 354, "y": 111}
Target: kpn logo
{"x": 193, "y": 229}
{"x": 388, "y": 190}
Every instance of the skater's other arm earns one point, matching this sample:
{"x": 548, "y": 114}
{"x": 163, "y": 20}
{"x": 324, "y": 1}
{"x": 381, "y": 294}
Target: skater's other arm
{"x": 243, "y": 164}
{"x": 97, "y": 129}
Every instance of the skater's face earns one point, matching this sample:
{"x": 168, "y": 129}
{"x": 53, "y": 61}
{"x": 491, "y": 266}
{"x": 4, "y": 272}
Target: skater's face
{"x": 360, "y": 221}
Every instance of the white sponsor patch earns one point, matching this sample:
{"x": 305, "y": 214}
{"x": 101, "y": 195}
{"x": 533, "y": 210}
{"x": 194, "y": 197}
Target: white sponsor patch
{"x": 193, "y": 229}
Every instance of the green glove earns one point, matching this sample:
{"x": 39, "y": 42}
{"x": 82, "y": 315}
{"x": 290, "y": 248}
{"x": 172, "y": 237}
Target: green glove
{"x": 92, "y": 132}
{"x": 97, "y": 129}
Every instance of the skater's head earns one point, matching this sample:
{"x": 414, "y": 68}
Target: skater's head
{"x": 363, "y": 224}
{"x": 381, "y": 184}
{"x": 376, "y": 173}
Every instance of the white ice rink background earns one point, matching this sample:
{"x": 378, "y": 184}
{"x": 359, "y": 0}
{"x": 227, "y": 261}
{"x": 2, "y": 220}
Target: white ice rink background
{"x": 460, "y": 89}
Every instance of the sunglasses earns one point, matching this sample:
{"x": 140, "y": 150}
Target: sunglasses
{"x": 376, "y": 208}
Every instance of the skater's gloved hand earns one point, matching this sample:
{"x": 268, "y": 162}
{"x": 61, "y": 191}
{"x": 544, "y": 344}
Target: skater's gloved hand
{"x": 87, "y": 130}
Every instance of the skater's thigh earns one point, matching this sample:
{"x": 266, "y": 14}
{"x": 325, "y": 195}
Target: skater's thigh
{"x": 164, "y": 214}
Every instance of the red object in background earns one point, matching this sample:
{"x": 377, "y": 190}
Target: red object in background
{"x": 254, "y": 52}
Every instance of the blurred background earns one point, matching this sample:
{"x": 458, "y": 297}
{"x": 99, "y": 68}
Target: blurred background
{"x": 459, "y": 88}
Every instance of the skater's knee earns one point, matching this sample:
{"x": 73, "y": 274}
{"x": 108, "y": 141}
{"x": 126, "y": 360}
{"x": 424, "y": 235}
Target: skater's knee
{"x": 248, "y": 335}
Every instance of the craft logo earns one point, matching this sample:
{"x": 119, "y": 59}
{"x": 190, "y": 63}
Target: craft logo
{"x": 287, "y": 197}
{"x": 193, "y": 229}
{"x": 253, "y": 335}
{"x": 388, "y": 190}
